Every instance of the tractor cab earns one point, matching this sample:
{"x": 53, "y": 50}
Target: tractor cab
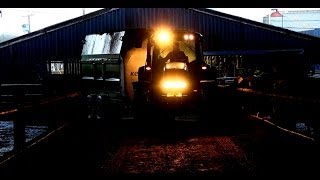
{"x": 173, "y": 65}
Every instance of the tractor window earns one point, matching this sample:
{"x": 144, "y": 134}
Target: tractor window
{"x": 188, "y": 47}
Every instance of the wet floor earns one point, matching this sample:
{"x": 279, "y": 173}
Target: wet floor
{"x": 194, "y": 155}
{"x": 185, "y": 146}
{"x": 195, "y": 149}
{"x": 7, "y": 135}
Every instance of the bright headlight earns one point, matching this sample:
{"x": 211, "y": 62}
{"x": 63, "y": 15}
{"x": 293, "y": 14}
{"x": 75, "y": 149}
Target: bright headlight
{"x": 174, "y": 84}
{"x": 188, "y": 37}
{"x": 163, "y": 37}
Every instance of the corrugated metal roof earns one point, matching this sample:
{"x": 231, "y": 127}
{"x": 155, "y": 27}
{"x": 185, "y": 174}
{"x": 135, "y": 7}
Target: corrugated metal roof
{"x": 253, "y": 52}
{"x": 221, "y": 32}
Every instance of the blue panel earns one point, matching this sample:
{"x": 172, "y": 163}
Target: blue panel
{"x": 315, "y": 32}
{"x": 221, "y": 32}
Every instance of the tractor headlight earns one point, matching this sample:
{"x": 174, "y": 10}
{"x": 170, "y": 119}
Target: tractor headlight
{"x": 174, "y": 88}
{"x": 174, "y": 85}
{"x": 163, "y": 37}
